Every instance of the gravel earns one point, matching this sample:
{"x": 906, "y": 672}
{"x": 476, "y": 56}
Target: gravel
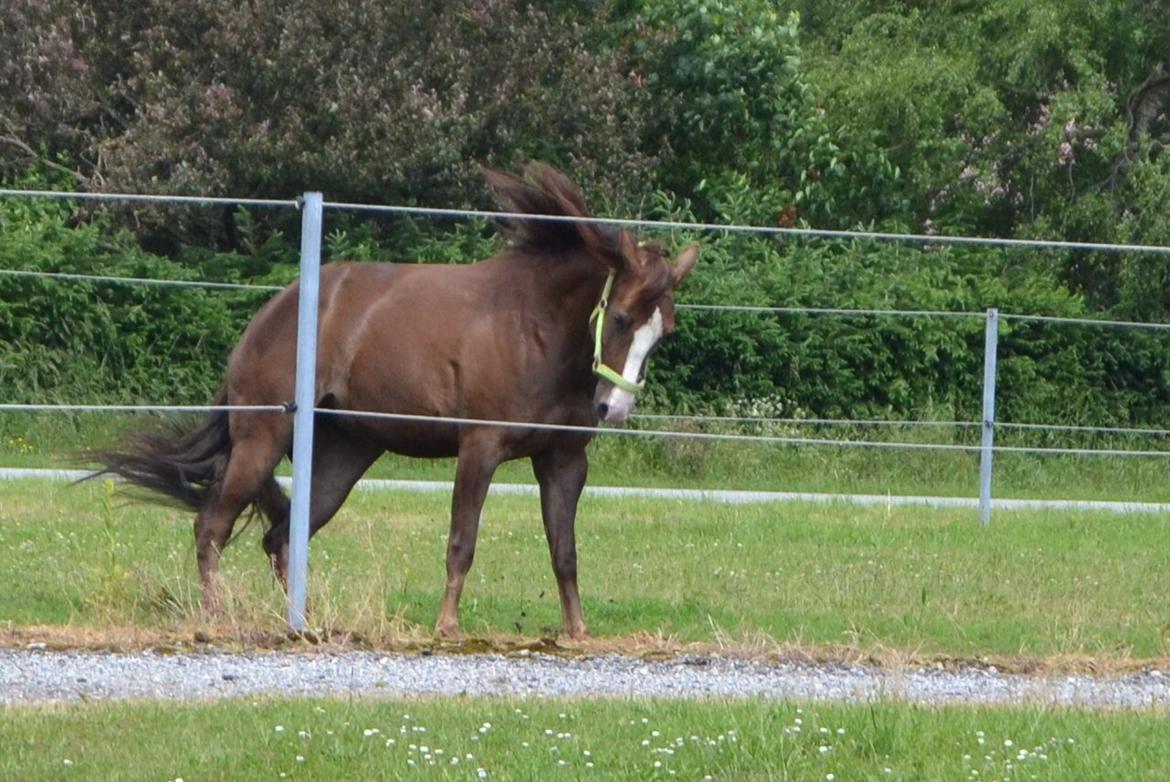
{"x": 44, "y": 676}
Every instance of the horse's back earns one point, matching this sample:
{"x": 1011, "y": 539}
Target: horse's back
{"x": 391, "y": 338}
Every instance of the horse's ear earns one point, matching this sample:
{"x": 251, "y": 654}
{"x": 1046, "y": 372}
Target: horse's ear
{"x": 684, "y": 263}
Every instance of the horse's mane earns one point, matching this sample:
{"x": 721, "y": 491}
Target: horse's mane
{"x": 546, "y": 191}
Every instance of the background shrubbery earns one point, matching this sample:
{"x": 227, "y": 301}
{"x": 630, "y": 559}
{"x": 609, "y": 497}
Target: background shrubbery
{"x": 1014, "y": 118}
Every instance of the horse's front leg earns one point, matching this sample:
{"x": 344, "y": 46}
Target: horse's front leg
{"x": 473, "y": 475}
{"x": 561, "y": 474}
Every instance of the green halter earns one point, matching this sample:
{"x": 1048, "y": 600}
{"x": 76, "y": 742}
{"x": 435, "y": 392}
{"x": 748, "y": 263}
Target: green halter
{"x": 599, "y": 368}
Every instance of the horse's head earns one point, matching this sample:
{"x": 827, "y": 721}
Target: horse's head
{"x": 636, "y": 308}
{"x": 635, "y": 312}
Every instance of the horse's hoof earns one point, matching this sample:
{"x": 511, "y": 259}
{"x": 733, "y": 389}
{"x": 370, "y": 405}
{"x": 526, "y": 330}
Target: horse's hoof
{"x": 448, "y": 632}
{"x": 577, "y": 634}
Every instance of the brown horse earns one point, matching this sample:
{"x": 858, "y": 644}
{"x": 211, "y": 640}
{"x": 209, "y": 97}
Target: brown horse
{"x": 531, "y": 335}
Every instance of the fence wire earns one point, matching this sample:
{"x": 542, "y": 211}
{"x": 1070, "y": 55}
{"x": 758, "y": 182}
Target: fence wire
{"x": 768, "y": 231}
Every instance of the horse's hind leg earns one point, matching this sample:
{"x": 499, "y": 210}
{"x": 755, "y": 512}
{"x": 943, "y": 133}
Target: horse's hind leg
{"x": 250, "y": 464}
{"x": 275, "y": 506}
{"x": 561, "y": 474}
{"x": 338, "y": 463}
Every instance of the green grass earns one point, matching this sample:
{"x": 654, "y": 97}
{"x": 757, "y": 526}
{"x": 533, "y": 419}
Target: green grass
{"x": 913, "y": 580}
{"x": 576, "y": 740}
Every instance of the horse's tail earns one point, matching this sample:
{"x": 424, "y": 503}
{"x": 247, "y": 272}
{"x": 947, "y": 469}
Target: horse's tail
{"x": 180, "y": 465}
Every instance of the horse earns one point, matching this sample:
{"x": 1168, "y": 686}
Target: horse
{"x": 555, "y": 330}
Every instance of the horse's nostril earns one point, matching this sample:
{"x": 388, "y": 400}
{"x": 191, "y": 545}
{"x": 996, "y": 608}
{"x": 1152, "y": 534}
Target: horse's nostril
{"x": 602, "y": 410}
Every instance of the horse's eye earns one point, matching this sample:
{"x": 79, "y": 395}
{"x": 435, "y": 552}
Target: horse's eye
{"x": 621, "y": 322}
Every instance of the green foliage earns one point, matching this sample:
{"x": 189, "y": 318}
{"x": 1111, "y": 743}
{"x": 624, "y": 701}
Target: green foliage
{"x": 367, "y": 100}
{"x": 92, "y": 341}
{"x": 1016, "y": 118}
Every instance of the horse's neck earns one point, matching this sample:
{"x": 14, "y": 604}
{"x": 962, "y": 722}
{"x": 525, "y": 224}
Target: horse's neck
{"x": 571, "y": 291}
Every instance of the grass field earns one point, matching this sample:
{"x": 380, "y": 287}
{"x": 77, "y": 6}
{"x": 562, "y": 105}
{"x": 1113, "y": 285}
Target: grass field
{"x": 1035, "y": 591}
{"x": 474, "y": 739}
{"x": 1035, "y": 588}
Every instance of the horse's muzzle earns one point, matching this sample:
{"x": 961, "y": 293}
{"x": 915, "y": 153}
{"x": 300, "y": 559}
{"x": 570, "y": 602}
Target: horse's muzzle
{"x": 613, "y": 407}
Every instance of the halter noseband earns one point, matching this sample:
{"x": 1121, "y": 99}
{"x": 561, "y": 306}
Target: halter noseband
{"x": 599, "y": 367}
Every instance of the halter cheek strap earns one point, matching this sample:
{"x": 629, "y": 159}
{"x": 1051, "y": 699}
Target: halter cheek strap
{"x": 597, "y": 320}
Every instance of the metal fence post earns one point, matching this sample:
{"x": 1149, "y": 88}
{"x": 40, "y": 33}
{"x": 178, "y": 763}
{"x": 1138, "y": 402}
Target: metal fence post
{"x": 990, "y": 348}
{"x": 306, "y": 382}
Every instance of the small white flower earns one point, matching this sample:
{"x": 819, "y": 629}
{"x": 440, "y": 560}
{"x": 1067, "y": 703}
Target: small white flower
{"x": 279, "y": 729}
{"x": 300, "y": 758}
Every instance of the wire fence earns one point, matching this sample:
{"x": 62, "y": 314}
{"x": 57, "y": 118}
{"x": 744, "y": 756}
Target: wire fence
{"x": 312, "y": 207}
{"x": 773, "y": 231}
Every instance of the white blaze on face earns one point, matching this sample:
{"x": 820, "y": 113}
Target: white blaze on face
{"x": 646, "y": 336}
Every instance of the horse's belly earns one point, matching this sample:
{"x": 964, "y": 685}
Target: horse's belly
{"x": 410, "y": 438}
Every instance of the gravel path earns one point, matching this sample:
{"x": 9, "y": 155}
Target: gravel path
{"x": 28, "y": 676}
